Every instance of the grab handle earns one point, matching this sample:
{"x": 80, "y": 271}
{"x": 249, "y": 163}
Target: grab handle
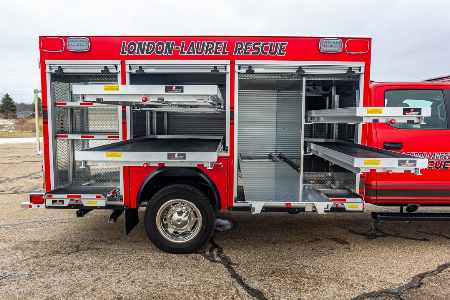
{"x": 393, "y": 146}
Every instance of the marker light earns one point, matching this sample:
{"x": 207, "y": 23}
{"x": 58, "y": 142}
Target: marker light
{"x": 330, "y": 45}
{"x": 78, "y": 44}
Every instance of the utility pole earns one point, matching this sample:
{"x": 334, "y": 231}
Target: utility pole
{"x": 36, "y": 118}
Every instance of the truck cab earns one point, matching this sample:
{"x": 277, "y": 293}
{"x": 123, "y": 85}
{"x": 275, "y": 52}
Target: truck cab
{"x": 429, "y": 140}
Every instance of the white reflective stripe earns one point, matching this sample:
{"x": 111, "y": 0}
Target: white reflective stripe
{"x": 87, "y": 136}
{"x": 81, "y": 104}
{"x": 31, "y": 205}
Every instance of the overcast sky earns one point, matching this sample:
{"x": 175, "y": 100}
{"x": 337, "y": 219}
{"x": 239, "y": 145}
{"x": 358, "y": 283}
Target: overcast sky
{"x": 411, "y": 38}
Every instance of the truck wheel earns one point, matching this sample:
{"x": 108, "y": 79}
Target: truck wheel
{"x": 179, "y": 219}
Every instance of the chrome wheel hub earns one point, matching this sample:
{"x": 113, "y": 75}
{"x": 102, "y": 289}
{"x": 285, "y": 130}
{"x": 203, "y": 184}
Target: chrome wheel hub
{"x": 179, "y": 220}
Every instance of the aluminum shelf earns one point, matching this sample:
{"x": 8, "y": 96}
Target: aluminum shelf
{"x": 355, "y": 115}
{"x": 166, "y": 149}
{"x": 158, "y": 96}
{"x": 358, "y": 158}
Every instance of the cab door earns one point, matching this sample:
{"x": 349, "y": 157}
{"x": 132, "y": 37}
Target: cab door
{"x": 429, "y": 140}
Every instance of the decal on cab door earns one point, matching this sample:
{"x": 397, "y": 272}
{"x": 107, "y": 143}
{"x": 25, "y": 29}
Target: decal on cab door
{"x": 436, "y": 160}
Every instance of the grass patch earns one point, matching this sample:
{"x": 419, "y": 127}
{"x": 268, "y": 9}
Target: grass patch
{"x": 17, "y": 134}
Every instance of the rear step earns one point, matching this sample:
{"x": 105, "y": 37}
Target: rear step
{"x": 83, "y": 198}
{"x": 358, "y": 158}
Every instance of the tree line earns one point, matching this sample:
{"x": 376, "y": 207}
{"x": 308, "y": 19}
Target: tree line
{"x": 9, "y": 108}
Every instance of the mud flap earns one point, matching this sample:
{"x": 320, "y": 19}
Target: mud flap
{"x": 131, "y": 219}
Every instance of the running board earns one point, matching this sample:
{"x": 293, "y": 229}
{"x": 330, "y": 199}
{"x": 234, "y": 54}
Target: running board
{"x": 388, "y": 216}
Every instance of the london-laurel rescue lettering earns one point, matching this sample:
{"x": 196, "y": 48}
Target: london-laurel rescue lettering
{"x": 203, "y": 48}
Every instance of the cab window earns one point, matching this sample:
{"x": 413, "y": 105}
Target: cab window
{"x": 420, "y": 99}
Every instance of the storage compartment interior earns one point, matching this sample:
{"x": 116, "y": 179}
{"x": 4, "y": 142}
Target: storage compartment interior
{"x": 71, "y": 174}
{"x": 270, "y": 136}
{"x": 274, "y": 161}
{"x": 148, "y": 122}
{"x": 328, "y": 93}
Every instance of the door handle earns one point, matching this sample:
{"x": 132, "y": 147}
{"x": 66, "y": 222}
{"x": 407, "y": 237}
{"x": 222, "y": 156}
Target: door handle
{"x": 392, "y": 145}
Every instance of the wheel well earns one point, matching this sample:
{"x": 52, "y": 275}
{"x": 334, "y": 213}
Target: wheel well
{"x": 166, "y": 176}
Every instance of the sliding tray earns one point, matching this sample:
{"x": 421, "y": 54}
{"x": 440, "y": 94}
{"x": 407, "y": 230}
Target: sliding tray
{"x": 358, "y": 158}
{"x": 173, "y": 98}
{"x": 370, "y": 115}
{"x": 171, "y": 150}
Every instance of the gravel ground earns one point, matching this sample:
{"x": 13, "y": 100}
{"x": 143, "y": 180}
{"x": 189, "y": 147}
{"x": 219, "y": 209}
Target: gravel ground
{"x": 53, "y": 254}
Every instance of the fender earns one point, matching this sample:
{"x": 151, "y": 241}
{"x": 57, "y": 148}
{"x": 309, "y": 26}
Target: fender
{"x": 183, "y": 172}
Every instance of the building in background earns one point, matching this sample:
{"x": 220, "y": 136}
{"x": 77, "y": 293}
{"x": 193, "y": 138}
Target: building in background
{"x": 445, "y": 79}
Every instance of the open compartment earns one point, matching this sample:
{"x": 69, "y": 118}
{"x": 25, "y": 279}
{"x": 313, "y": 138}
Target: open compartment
{"x": 80, "y": 125}
{"x": 270, "y": 123}
{"x": 178, "y": 115}
{"x": 275, "y": 163}
{"x": 174, "y": 116}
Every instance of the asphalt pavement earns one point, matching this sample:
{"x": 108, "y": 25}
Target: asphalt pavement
{"x": 51, "y": 254}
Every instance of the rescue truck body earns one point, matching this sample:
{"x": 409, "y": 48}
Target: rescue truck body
{"x": 190, "y": 126}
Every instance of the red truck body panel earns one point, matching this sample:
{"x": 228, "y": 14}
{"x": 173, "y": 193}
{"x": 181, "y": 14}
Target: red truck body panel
{"x": 430, "y": 188}
{"x": 183, "y": 48}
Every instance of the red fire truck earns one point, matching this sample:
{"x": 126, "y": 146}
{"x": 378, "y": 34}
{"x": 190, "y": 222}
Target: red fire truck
{"x": 188, "y": 126}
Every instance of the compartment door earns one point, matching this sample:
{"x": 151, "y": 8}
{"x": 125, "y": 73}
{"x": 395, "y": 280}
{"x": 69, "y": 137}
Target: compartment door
{"x": 429, "y": 140}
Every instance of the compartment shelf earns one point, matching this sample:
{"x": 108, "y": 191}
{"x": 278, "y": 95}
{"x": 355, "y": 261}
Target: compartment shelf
{"x": 161, "y": 97}
{"x": 358, "y": 158}
{"x": 354, "y": 115}
{"x": 157, "y": 149}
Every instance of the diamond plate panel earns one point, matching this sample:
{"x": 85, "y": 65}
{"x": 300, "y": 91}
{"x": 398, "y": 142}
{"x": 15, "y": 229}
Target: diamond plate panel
{"x": 94, "y": 173}
{"x": 62, "y": 162}
{"x": 91, "y": 119}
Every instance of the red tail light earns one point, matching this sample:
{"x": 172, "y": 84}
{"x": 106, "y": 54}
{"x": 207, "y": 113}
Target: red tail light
{"x": 52, "y": 44}
{"x": 36, "y": 198}
{"x": 357, "y": 46}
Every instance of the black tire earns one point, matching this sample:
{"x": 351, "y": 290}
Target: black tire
{"x": 197, "y": 198}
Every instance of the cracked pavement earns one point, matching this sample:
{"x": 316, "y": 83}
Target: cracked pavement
{"x": 52, "y": 254}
